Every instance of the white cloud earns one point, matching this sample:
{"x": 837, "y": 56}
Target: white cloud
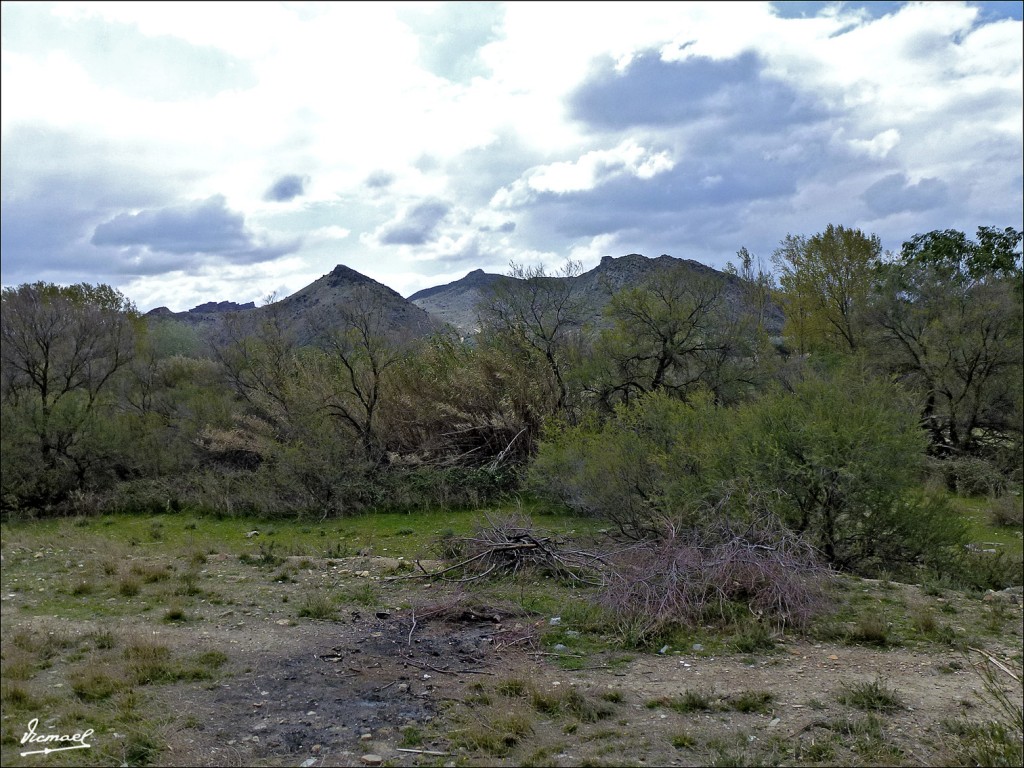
{"x": 879, "y": 145}
{"x": 589, "y": 171}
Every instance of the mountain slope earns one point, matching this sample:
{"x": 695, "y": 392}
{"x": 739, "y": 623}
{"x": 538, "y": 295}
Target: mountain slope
{"x": 456, "y": 303}
{"x": 321, "y": 304}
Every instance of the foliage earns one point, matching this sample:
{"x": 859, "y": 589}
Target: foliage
{"x": 538, "y": 313}
{"x": 656, "y": 462}
{"x": 837, "y": 459}
{"x": 842, "y": 455}
{"x": 61, "y": 353}
{"x": 948, "y": 321}
{"x": 826, "y": 279}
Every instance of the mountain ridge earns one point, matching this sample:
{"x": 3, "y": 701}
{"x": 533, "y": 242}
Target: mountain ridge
{"x": 455, "y": 304}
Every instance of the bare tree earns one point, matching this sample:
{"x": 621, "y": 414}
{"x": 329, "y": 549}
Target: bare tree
{"x": 538, "y": 312}
{"x": 62, "y": 347}
{"x": 360, "y": 352}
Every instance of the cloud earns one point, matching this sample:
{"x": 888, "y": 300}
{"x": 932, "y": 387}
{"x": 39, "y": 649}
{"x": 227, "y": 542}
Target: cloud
{"x": 451, "y": 36}
{"x": 879, "y": 145}
{"x": 415, "y": 226}
{"x": 380, "y": 180}
{"x": 652, "y": 91}
{"x": 286, "y": 188}
{"x": 894, "y": 194}
{"x": 205, "y": 227}
{"x": 587, "y": 172}
{"x": 119, "y": 56}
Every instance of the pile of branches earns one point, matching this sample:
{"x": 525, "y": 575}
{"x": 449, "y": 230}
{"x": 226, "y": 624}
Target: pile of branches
{"x": 695, "y": 575}
{"x": 511, "y": 545}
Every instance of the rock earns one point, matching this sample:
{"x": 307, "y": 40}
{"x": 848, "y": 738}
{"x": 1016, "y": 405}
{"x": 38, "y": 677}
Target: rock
{"x": 555, "y": 621}
{"x": 372, "y": 759}
{"x": 698, "y": 647}
{"x": 250, "y": 534}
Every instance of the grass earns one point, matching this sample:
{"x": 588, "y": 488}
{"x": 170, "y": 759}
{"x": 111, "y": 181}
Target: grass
{"x": 117, "y": 679}
{"x": 875, "y": 696}
{"x": 317, "y": 605}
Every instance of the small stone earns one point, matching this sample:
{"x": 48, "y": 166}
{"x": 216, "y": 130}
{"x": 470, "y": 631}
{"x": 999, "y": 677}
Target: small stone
{"x": 555, "y": 621}
{"x": 774, "y": 721}
{"x": 366, "y": 737}
{"x": 372, "y": 759}
{"x": 698, "y": 647}
{"x": 309, "y": 761}
{"x": 664, "y": 650}
{"x": 315, "y": 748}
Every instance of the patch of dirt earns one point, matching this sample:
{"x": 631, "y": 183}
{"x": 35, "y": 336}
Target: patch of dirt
{"x": 302, "y": 692}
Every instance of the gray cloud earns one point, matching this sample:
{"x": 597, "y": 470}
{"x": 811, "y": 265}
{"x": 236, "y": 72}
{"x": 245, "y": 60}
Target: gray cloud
{"x": 206, "y": 227}
{"x": 379, "y": 180}
{"x": 286, "y": 188}
{"x": 653, "y": 92}
{"x": 894, "y": 194}
{"x": 505, "y": 227}
{"x": 417, "y": 226}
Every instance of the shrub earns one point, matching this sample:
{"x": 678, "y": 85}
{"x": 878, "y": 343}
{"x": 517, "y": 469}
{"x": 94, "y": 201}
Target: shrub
{"x": 689, "y": 577}
{"x": 837, "y": 460}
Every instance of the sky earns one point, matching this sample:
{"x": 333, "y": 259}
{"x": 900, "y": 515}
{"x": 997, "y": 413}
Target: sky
{"x": 193, "y": 152}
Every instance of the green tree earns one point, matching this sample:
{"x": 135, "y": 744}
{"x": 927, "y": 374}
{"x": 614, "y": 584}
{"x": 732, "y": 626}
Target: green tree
{"x": 825, "y": 281}
{"x": 841, "y": 457}
{"x": 948, "y": 320}
{"x": 62, "y": 350}
{"x": 668, "y": 334}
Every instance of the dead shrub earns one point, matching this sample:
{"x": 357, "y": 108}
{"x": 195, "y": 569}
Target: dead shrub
{"x": 511, "y": 544}
{"x": 696, "y": 575}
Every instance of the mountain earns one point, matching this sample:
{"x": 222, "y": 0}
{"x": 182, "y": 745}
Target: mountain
{"x": 456, "y": 303}
{"x": 322, "y": 302}
{"x": 319, "y": 304}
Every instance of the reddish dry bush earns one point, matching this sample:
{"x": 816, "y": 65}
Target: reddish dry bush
{"x": 688, "y": 577}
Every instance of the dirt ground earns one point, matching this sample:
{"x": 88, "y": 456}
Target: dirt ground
{"x": 314, "y": 692}
{"x": 352, "y": 690}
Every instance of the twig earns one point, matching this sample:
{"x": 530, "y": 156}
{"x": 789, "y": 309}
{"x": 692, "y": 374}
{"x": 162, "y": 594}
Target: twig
{"x": 433, "y": 752}
{"x": 412, "y": 628}
{"x": 995, "y": 661}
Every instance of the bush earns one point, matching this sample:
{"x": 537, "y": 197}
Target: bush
{"x": 690, "y": 577}
{"x": 843, "y": 455}
{"x": 973, "y": 476}
{"x": 838, "y": 460}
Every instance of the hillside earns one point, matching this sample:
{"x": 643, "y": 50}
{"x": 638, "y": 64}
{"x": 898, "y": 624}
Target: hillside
{"x": 456, "y": 303}
{"x": 319, "y": 304}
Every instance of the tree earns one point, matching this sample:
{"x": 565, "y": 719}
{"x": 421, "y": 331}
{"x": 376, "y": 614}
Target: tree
{"x": 63, "y": 347}
{"x": 669, "y": 334}
{"x": 538, "y": 312}
{"x": 948, "y": 319}
{"x": 825, "y": 280}
{"x": 841, "y": 457}
{"x": 360, "y": 357}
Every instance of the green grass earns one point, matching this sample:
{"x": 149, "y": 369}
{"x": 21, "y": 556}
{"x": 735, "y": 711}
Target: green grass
{"x": 875, "y": 696}
{"x": 981, "y": 530}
